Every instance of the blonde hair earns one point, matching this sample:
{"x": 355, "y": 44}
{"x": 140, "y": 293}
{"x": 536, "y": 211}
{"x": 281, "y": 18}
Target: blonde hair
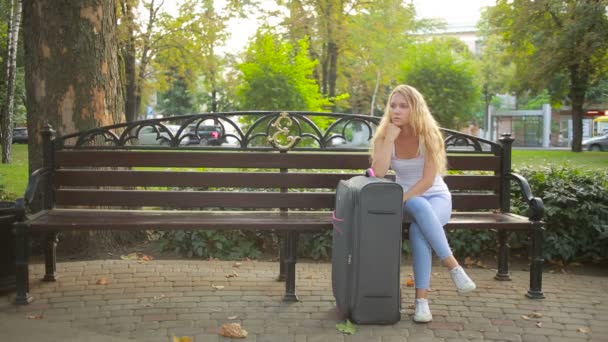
{"x": 422, "y": 123}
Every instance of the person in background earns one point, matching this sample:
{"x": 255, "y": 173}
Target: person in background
{"x": 408, "y": 140}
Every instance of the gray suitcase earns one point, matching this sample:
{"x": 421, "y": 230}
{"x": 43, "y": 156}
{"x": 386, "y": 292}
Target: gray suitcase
{"x": 366, "y": 254}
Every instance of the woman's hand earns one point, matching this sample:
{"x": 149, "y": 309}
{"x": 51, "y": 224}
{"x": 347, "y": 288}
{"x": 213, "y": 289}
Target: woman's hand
{"x": 392, "y": 132}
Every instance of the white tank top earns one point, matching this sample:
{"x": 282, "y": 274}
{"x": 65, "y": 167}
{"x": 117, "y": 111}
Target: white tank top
{"x": 409, "y": 172}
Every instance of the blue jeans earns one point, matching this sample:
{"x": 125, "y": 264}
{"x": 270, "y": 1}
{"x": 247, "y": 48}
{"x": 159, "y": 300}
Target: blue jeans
{"x": 428, "y": 215}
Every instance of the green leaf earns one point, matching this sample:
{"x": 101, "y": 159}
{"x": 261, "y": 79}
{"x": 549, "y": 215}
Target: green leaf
{"x": 347, "y": 327}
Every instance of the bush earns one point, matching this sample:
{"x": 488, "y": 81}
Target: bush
{"x": 232, "y": 245}
{"x": 576, "y": 211}
{"x": 576, "y": 216}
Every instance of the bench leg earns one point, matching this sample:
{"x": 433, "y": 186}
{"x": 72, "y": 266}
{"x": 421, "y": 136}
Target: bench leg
{"x": 536, "y": 262}
{"x": 282, "y": 253}
{"x": 50, "y": 257}
{"x": 503, "y": 256}
{"x": 22, "y": 251}
{"x": 291, "y": 257}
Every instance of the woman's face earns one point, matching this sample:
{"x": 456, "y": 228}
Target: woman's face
{"x": 399, "y": 110}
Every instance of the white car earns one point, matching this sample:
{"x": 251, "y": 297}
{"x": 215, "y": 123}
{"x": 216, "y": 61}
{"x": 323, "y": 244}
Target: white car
{"x": 599, "y": 143}
{"x": 150, "y": 136}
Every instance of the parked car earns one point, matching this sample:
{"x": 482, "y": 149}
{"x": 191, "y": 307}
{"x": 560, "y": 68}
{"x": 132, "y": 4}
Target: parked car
{"x": 207, "y": 135}
{"x": 599, "y": 143}
{"x": 149, "y": 136}
{"x": 20, "y": 135}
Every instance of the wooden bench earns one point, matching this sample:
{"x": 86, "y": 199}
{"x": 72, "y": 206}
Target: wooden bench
{"x": 279, "y": 174}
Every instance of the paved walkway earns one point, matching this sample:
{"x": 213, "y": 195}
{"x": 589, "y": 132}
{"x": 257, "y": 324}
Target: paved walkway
{"x": 160, "y": 300}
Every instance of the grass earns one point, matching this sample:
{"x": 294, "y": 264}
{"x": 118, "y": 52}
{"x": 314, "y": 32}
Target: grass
{"x": 535, "y": 158}
{"x": 14, "y": 176}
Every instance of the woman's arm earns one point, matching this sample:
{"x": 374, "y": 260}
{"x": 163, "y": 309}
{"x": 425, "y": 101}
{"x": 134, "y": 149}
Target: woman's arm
{"x": 383, "y": 149}
{"x": 382, "y": 156}
{"x": 428, "y": 178}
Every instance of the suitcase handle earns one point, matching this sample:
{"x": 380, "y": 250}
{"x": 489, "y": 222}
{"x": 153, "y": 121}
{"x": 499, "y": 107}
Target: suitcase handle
{"x": 370, "y": 172}
{"x": 335, "y": 219}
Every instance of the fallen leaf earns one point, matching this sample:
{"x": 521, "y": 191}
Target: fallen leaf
{"x": 102, "y": 281}
{"x": 525, "y": 317}
{"x": 539, "y": 324}
{"x": 232, "y": 275}
{"x": 236, "y": 264}
{"x": 536, "y": 315}
{"x": 233, "y": 330}
{"x": 410, "y": 282}
{"x": 183, "y": 339}
{"x": 583, "y": 330}
{"x": 233, "y": 317}
{"x": 159, "y": 297}
{"x": 411, "y": 306}
{"x": 35, "y": 316}
{"x": 468, "y": 261}
{"x": 139, "y": 257}
{"x": 217, "y": 287}
{"x": 435, "y": 274}
{"x": 557, "y": 262}
{"x": 130, "y": 256}
{"x": 346, "y": 327}
{"x": 481, "y": 264}
{"x": 148, "y": 306}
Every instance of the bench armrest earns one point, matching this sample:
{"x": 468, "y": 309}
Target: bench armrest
{"x": 36, "y": 177}
{"x": 537, "y": 208}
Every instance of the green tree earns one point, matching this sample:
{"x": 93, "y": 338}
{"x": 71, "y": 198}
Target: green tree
{"x": 550, "y": 39}
{"x": 278, "y": 77}
{"x": 377, "y": 41}
{"x": 177, "y": 100}
{"x": 443, "y": 70}
{"x": 496, "y": 68}
{"x": 7, "y": 109}
{"x": 183, "y": 46}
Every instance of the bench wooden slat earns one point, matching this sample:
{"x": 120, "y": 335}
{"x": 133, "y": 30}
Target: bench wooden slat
{"x": 83, "y": 219}
{"x": 215, "y": 199}
{"x": 87, "y": 158}
{"x": 324, "y": 160}
{"x": 473, "y": 182}
{"x": 474, "y": 163}
{"x": 237, "y": 179}
{"x": 198, "y": 179}
{"x": 194, "y": 199}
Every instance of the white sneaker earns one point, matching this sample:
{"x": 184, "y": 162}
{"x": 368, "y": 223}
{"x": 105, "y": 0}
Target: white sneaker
{"x": 423, "y": 312}
{"x": 463, "y": 283}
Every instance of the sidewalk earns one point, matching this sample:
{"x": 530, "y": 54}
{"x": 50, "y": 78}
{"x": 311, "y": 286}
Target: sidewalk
{"x": 162, "y": 299}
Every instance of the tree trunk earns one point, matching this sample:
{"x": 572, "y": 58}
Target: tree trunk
{"x": 333, "y": 68}
{"x": 11, "y": 70}
{"x": 128, "y": 53}
{"x": 72, "y": 75}
{"x": 71, "y": 63}
{"x": 373, "y": 104}
{"x": 578, "y": 87}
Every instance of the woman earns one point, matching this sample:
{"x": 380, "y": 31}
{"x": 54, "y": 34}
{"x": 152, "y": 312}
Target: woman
{"x": 408, "y": 140}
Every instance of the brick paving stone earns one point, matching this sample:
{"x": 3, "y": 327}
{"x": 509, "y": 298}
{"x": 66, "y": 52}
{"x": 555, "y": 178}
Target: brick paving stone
{"x": 149, "y": 302}
{"x": 499, "y": 336}
{"x": 534, "y": 338}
